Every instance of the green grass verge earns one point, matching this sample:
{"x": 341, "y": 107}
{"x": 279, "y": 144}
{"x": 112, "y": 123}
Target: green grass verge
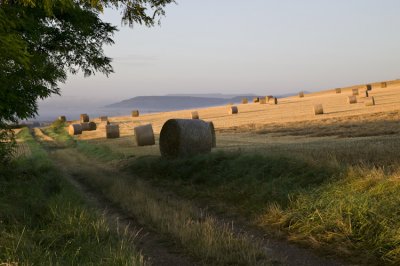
{"x": 347, "y": 210}
{"x": 44, "y": 221}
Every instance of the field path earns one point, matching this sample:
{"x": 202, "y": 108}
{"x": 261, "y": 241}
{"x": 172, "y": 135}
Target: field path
{"x": 77, "y": 168}
{"x": 156, "y": 248}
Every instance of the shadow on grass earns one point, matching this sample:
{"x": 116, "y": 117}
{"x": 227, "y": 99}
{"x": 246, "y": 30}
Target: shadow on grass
{"x": 249, "y": 181}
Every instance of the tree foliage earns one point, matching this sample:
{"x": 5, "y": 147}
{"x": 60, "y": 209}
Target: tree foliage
{"x": 41, "y": 41}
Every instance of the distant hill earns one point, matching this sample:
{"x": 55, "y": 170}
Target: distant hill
{"x": 180, "y": 102}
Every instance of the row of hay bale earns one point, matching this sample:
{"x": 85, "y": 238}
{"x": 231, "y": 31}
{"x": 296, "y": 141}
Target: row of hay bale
{"x": 369, "y": 101}
{"x": 262, "y": 100}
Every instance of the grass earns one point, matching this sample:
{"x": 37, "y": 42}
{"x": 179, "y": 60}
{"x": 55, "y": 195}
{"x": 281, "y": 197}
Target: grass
{"x": 198, "y": 234}
{"x": 336, "y": 208}
{"x": 44, "y": 221}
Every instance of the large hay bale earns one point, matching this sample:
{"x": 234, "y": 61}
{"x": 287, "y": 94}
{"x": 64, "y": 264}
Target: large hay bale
{"x": 262, "y": 101}
{"x": 84, "y": 118}
{"x": 112, "y": 131}
{"x": 212, "y": 130}
{"x": 233, "y": 110}
{"x": 195, "y": 115}
{"x": 185, "y": 137}
{"x": 301, "y": 94}
{"x": 352, "y": 99}
{"x": 85, "y": 126}
{"x": 245, "y": 101}
{"x": 62, "y": 118}
{"x": 75, "y": 129}
{"x": 103, "y": 118}
{"x": 338, "y": 90}
{"x": 369, "y": 87}
{"x": 355, "y": 92}
{"x": 144, "y": 135}
{"x": 318, "y": 110}
{"x": 256, "y": 99}
{"x": 135, "y": 113}
{"x": 383, "y": 84}
{"x": 370, "y": 101}
{"x": 92, "y": 126}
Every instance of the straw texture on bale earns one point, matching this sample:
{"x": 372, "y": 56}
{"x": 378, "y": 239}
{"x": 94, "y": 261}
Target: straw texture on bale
{"x": 144, "y": 135}
{"x": 301, "y": 94}
{"x": 233, "y": 110}
{"x": 195, "y": 115}
{"x": 352, "y": 99}
{"x": 212, "y": 130}
{"x": 338, "y": 90}
{"x": 185, "y": 137}
{"x": 256, "y": 100}
{"x": 318, "y": 110}
{"x": 245, "y": 101}
{"x": 135, "y": 113}
{"x": 75, "y": 129}
{"x": 84, "y": 118}
{"x": 369, "y": 87}
{"x": 112, "y": 131}
{"x": 85, "y": 126}
{"x": 263, "y": 101}
{"x": 92, "y": 126}
{"x": 62, "y": 118}
{"x": 103, "y": 118}
{"x": 355, "y": 92}
{"x": 370, "y": 101}
{"x": 383, "y": 85}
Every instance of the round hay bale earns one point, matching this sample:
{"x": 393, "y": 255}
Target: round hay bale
{"x": 256, "y": 99}
{"x": 112, "y": 131}
{"x": 369, "y": 87}
{"x": 85, "y": 126}
{"x": 245, "y": 101}
{"x": 301, "y": 94}
{"x": 318, "y": 110}
{"x": 185, "y": 137}
{"x": 144, "y": 135}
{"x": 355, "y": 92}
{"x": 62, "y": 118}
{"x": 212, "y": 130}
{"x": 84, "y": 118}
{"x": 269, "y": 97}
{"x": 103, "y": 118}
{"x": 233, "y": 110}
{"x": 135, "y": 113}
{"x": 370, "y": 101}
{"x": 338, "y": 90}
{"x": 275, "y": 101}
{"x": 352, "y": 99}
{"x": 263, "y": 101}
{"x": 75, "y": 129}
{"x": 383, "y": 84}
{"x": 195, "y": 115}
{"x": 92, "y": 126}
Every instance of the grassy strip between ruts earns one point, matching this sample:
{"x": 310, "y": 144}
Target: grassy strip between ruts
{"x": 44, "y": 221}
{"x": 347, "y": 210}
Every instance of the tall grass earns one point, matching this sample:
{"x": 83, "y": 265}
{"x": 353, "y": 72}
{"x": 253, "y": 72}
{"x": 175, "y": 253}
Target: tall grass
{"x": 336, "y": 208}
{"x": 44, "y": 221}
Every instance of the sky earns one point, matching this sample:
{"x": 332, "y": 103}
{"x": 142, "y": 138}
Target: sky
{"x": 255, "y": 46}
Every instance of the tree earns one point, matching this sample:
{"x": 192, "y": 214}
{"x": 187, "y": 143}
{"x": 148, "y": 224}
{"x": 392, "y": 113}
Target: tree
{"x": 41, "y": 41}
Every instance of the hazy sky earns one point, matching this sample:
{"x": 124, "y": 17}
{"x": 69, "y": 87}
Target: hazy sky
{"x": 253, "y": 46}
